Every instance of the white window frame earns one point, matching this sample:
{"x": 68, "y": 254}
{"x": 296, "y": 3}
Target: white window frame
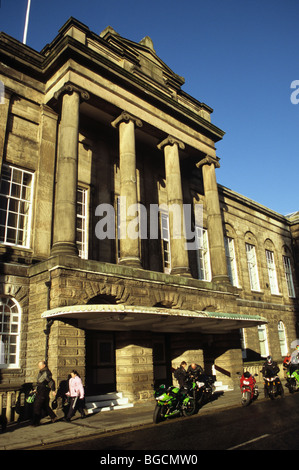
{"x": 10, "y": 328}
{"x": 82, "y": 222}
{"x": 263, "y": 340}
{"x": 272, "y": 272}
{"x": 13, "y": 205}
{"x": 252, "y": 267}
{"x": 288, "y": 275}
{"x": 282, "y": 338}
{"x": 229, "y": 244}
{"x": 243, "y": 343}
{"x": 165, "y": 238}
{"x": 203, "y": 254}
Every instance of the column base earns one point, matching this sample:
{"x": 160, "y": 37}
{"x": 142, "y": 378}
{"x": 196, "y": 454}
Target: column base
{"x": 221, "y": 279}
{"x": 181, "y": 271}
{"x": 130, "y": 261}
{"x": 64, "y": 248}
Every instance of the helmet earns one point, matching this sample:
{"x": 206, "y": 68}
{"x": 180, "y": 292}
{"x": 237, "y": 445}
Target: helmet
{"x": 269, "y": 359}
{"x": 246, "y": 375}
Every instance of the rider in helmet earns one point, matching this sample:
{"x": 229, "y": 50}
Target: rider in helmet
{"x": 271, "y": 369}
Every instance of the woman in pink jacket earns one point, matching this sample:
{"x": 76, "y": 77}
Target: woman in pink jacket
{"x": 76, "y": 393}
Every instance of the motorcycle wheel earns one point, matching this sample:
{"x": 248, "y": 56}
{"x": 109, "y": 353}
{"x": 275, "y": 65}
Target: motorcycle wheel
{"x": 291, "y": 386}
{"x": 189, "y": 408}
{"x": 158, "y": 414}
{"x": 246, "y": 398}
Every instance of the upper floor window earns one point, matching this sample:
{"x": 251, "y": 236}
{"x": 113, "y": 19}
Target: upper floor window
{"x": 16, "y": 191}
{"x": 10, "y": 320}
{"x": 231, "y": 260}
{"x": 82, "y": 222}
{"x": 252, "y": 267}
{"x": 272, "y": 272}
{"x": 289, "y": 275}
{"x": 203, "y": 254}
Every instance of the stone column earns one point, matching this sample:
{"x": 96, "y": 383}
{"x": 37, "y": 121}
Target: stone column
{"x": 129, "y": 242}
{"x": 64, "y": 235}
{"x": 214, "y": 220}
{"x": 45, "y": 182}
{"x": 179, "y": 254}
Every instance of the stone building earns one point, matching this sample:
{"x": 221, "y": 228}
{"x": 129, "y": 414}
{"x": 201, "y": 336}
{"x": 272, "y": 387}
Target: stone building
{"x": 102, "y": 152}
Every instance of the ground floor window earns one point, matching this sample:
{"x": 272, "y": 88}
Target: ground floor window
{"x": 10, "y": 319}
{"x": 263, "y": 339}
{"x": 282, "y": 338}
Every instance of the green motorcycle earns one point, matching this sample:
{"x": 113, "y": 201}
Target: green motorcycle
{"x": 292, "y": 377}
{"x": 172, "y": 401}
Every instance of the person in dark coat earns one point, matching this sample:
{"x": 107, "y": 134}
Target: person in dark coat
{"x": 44, "y": 385}
{"x": 194, "y": 371}
{"x": 181, "y": 374}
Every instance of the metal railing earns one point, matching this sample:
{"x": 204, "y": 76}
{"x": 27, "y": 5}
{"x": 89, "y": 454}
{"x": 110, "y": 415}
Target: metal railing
{"x": 13, "y": 404}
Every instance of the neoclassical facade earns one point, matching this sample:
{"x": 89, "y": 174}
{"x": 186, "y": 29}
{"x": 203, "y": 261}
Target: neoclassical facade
{"x": 120, "y": 254}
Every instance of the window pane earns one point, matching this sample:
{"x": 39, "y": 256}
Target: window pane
{"x": 15, "y": 205}
{"x": 9, "y": 332}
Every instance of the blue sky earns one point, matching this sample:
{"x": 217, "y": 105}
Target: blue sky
{"x": 238, "y": 56}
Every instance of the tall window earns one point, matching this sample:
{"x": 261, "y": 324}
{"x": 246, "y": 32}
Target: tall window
{"x": 82, "y": 223}
{"x": 282, "y": 338}
{"x": 263, "y": 339}
{"x": 16, "y": 191}
{"x": 288, "y": 275}
{"x": 231, "y": 260}
{"x": 165, "y": 237}
{"x": 10, "y": 319}
{"x": 203, "y": 254}
{"x": 272, "y": 272}
{"x": 252, "y": 267}
{"x": 243, "y": 343}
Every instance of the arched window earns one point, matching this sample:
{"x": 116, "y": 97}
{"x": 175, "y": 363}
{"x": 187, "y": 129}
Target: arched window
{"x": 10, "y": 320}
{"x": 282, "y": 338}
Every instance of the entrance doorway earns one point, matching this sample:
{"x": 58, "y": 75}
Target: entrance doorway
{"x": 100, "y": 363}
{"x": 161, "y": 360}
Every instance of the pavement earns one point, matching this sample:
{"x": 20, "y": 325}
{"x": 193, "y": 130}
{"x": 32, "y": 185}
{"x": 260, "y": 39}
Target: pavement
{"x": 23, "y": 436}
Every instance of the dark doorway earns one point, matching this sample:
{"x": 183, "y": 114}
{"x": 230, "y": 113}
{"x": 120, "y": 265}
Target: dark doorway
{"x": 100, "y": 363}
{"x": 161, "y": 360}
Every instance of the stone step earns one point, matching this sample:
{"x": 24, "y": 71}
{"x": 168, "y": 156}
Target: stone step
{"x": 220, "y": 387}
{"x": 108, "y": 402}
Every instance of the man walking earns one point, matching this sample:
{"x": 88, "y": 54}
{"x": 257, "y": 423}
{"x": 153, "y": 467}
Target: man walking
{"x": 44, "y": 385}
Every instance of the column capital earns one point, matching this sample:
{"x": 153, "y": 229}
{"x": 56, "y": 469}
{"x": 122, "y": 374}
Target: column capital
{"x": 208, "y": 160}
{"x": 170, "y": 140}
{"x": 69, "y": 88}
{"x": 126, "y": 117}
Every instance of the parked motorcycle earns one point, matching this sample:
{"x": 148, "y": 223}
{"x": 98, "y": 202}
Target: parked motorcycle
{"x": 202, "y": 389}
{"x": 172, "y": 401}
{"x": 292, "y": 377}
{"x": 249, "y": 388}
{"x": 272, "y": 385}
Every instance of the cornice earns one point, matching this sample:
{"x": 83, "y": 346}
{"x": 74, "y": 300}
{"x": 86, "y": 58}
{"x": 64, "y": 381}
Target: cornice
{"x": 43, "y": 65}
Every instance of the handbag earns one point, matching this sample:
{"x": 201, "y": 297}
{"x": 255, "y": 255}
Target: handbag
{"x": 31, "y": 397}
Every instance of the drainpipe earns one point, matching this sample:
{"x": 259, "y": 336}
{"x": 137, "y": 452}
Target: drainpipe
{"x": 50, "y": 321}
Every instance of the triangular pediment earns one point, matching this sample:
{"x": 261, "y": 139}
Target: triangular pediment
{"x": 144, "y": 59}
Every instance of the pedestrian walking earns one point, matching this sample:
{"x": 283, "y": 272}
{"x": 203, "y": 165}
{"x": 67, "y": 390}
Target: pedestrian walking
{"x": 76, "y": 394}
{"x": 44, "y": 384}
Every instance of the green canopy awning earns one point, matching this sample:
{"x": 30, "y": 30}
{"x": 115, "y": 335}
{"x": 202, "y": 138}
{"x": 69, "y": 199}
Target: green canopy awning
{"x": 110, "y": 317}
